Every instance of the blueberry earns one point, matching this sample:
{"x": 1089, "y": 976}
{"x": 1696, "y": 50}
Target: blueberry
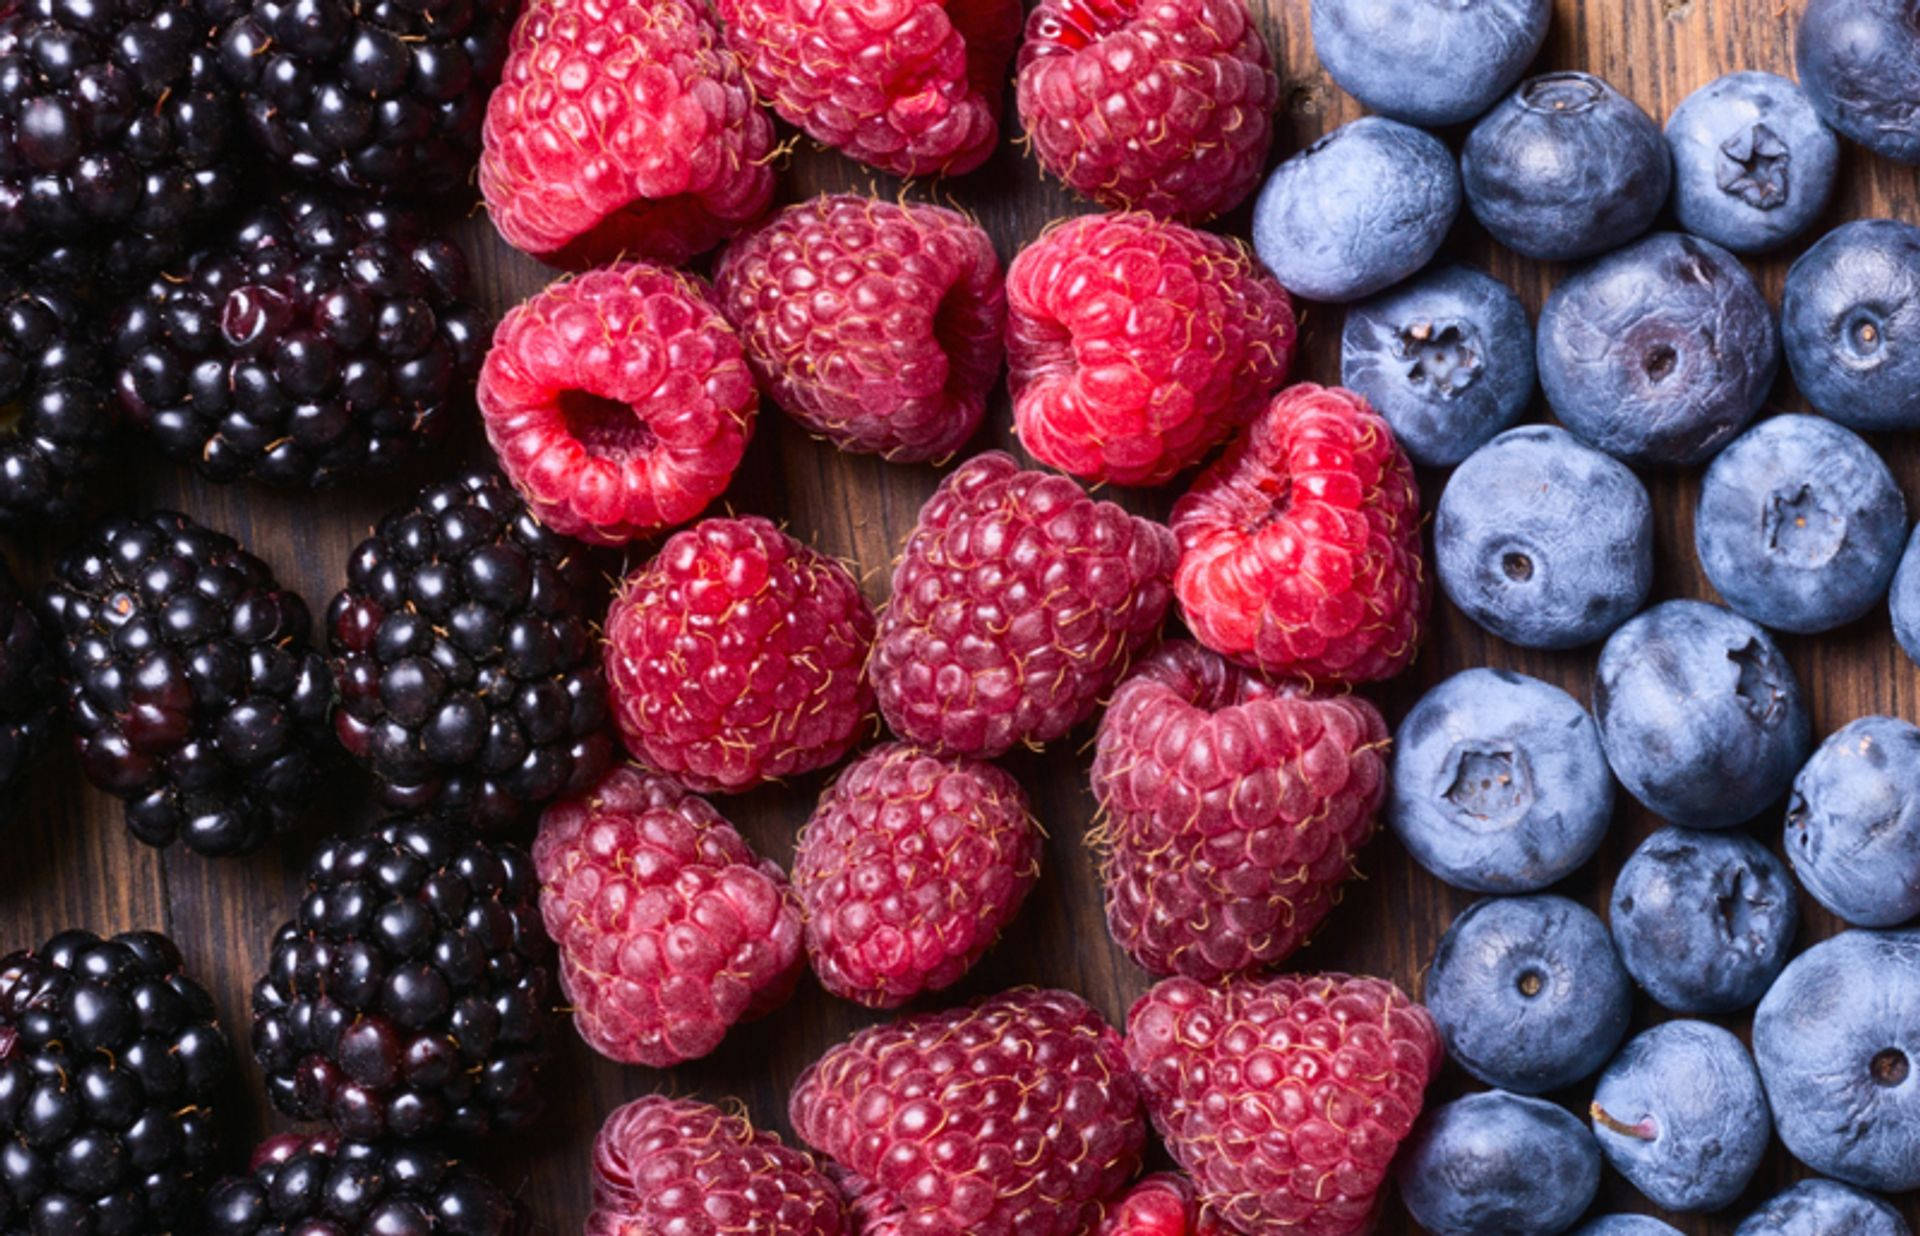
{"x": 1860, "y": 63}
{"x": 1682, "y": 1115}
{"x": 1498, "y": 1162}
{"x": 1704, "y": 921}
{"x": 1565, "y": 167}
{"x": 1853, "y": 822}
{"x": 1543, "y": 540}
{"x": 1836, "y": 1039}
{"x": 1499, "y": 784}
{"x": 1446, "y": 357}
{"x": 1425, "y": 63}
{"x": 1753, "y": 165}
{"x": 1357, "y": 211}
{"x": 1528, "y": 992}
{"x": 1800, "y": 524}
{"x": 1905, "y": 599}
{"x": 1627, "y": 1225}
{"x": 1701, "y": 717}
{"x": 1659, "y": 353}
{"x": 1850, "y": 318}
{"x": 1823, "y": 1208}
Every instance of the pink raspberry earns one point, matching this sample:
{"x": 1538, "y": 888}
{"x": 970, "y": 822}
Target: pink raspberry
{"x": 1014, "y": 1117}
{"x": 619, "y": 402}
{"x": 623, "y": 129}
{"x": 671, "y": 929}
{"x": 1300, "y": 549}
{"x": 1135, "y": 345}
{"x": 1158, "y": 105}
{"x": 1163, "y": 1204}
{"x": 874, "y": 324}
{"x": 1017, "y": 604}
{"x": 908, "y": 871}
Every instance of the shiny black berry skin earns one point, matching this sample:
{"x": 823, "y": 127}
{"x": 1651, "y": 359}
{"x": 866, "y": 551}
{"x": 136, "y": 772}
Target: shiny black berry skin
{"x": 56, "y": 417}
{"x": 189, "y": 682}
{"x": 414, "y": 995}
{"x": 469, "y": 674}
{"x": 326, "y": 1187}
{"x": 320, "y": 340}
{"x": 26, "y": 687}
{"x": 111, "y": 1062}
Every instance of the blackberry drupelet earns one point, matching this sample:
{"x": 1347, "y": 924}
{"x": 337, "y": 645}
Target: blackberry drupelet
{"x": 468, "y": 670}
{"x": 189, "y": 682}
{"x": 26, "y": 687}
{"x": 414, "y": 994}
{"x": 55, "y": 417}
{"x": 111, "y": 1062}
{"x": 320, "y": 340}
{"x": 322, "y": 1186}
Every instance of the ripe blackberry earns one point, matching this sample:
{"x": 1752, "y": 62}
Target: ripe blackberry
{"x": 414, "y": 993}
{"x": 469, "y": 675}
{"x": 26, "y": 686}
{"x": 110, "y": 1063}
{"x": 189, "y": 682}
{"x": 322, "y": 1186}
{"x": 319, "y": 340}
{"x": 58, "y": 416}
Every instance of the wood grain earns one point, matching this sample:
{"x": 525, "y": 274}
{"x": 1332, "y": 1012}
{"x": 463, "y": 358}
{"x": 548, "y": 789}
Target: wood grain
{"x": 75, "y": 865}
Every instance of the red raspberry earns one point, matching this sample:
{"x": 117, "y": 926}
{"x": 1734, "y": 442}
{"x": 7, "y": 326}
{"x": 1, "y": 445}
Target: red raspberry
{"x": 1284, "y": 1099}
{"x": 1017, "y": 604}
{"x": 1015, "y": 1117}
{"x": 623, "y": 129}
{"x": 1163, "y": 1204}
{"x": 619, "y": 402}
{"x": 1159, "y": 105}
{"x": 1300, "y": 549}
{"x": 1135, "y": 345}
{"x": 908, "y": 871}
{"x": 671, "y": 929}
{"x": 1234, "y": 808}
{"x": 736, "y": 655}
{"x": 911, "y": 87}
{"x": 876, "y": 325}
{"x": 673, "y": 1165}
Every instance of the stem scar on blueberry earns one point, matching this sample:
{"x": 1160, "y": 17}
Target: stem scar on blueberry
{"x": 1889, "y": 1067}
{"x": 1642, "y": 1130}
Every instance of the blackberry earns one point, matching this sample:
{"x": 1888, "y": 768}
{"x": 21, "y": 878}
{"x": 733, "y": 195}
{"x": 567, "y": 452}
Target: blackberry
{"x": 189, "y": 682}
{"x": 26, "y": 695}
{"x": 322, "y": 1186}
{"x": 111, "y": 1062}
{"x": 384, "y": 97}
{"x": 55, "y": 417}
{"x": 414, "y": 994}
{"x": 322, "y": 339}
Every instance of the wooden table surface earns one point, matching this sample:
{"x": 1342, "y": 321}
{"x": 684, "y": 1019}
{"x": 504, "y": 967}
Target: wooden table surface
{"x": 72, "y": 864}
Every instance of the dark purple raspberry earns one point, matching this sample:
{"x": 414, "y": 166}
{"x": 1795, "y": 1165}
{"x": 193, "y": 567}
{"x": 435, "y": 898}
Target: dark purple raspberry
{"x": 322, "y": 1186}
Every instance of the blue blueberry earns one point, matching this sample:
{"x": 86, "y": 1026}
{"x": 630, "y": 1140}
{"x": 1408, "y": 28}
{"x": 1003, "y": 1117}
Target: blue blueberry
{"x": 1446, "y": 357}
{"x": 1837, "y": 1039}
{"x": 1701, "y": 717}
{"x": 1800, "y": 524}
{"x": 1704, "y": 921}
{"x": 1850, "y": 319}
{"x": 1860, "y": 63}
{"x": 1753, "y": 165}
{"x": 1498, "y": 1162}
{"x": 1499, "y": 784}
{"x": 1659, "y": 353}
{"x": 1682, "y": 1115}
{"x": 1565, "y": 167}
{"x": 1528, "y": 992}
{"x": 1357, "y": 211}
{"x": 1627, "y": 1225}
{"x": 1425, "y": 63}
{"x": 1824, "y": 1208}
{"x": 1905, "y": 600}
{"x": 1543, "y": 540}
{"x": 1853, "y": 822}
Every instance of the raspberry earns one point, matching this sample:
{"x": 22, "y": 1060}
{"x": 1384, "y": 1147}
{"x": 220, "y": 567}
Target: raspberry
{"x": 619, "y": 402}
{"x": 623, "y": 128}
{"x": 1285, "y": 1099}
{"x": 911, "y": 87}
{"x": 1017, "y": 603}
{"x": 1300, "y": 549}
{"x": 1165, "y": 106}
{"x": 876, "y": 325}
{"x": 1014, "y": 1116}
{"x": 737, "y": 656}
{"x": 908, "y": 871}
{"x": 1163, "y": 1204}
{"x": 674, "y": 1165}
{"x": 671, "y": 929}
{"x": 1234, "y": 808}
{"x": 1135, "y": 345}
